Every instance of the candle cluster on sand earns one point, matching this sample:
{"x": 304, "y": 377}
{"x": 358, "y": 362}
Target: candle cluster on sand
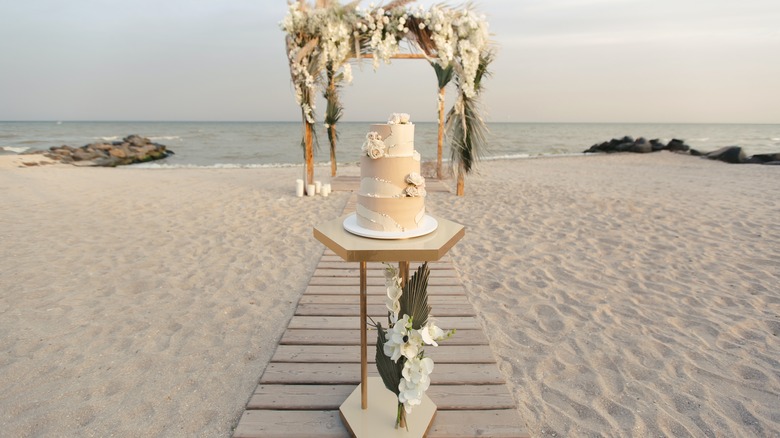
{"x": 318, "y": 188}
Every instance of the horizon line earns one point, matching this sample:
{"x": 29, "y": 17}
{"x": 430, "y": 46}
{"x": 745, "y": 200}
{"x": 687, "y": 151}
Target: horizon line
{"x": 56, "y": 121}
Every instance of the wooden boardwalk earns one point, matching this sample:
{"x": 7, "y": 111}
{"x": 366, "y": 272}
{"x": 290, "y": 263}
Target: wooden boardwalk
{"x": 317, "y": 362}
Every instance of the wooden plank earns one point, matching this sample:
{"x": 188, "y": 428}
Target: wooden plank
{"x": 293, "y": 373}
{"x": 329, "y": 397}
{"x": 329, "y": 256}
{"x": 376, "y": 273}
{"x": 433, "y": 300}
{"x": 500, "y": 423}
{"x": 352, "y": 337}
{"x": 290, "y": 424}
{"x": 377, "y": 310}
{"x": 299, "y": 397}
{"x": 353, "y": 321}
{"x": 375, "y": 281}
{"x": 335, "y": 262}
{"x": 444, "y": 353}
{"x": 503, "y": 423}
{"x": 378, "y": 290}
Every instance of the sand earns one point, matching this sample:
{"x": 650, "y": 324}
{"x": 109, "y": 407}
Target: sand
{"x": 623, "y": 295}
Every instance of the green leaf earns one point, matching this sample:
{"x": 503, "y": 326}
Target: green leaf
{"x": 443, "y": 75}
{"x": 414, "y": 300}
{"x": 389, "y": 371}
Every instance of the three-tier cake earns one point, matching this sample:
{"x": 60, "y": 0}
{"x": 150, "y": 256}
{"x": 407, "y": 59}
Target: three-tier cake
{"x": 392, "y": 191}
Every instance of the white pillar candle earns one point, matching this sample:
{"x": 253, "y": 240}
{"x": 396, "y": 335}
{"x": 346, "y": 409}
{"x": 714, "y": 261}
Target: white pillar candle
{"x": 325, "y": 192}
{"x": 299, "y": 188}
{"x": 317, "y": 187}
{"x": 326, "y": 189}
{"x": 310, "y": 190}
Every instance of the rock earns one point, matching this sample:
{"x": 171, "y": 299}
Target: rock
{"x": 102, "y": 146}
{"x": 118, "y": 153}
{"x": 133, "y": 149}
{"x": 729, "y": 154}
{"x": 136, "y": 140}
{"x": 83, "y": 155}
{"x": 641, "y": 146}
{"x": 696, "y": 153}
{"x": 763, "y": 158}
{"x": 656, "y": 145}
{"x": 676, "y": 145}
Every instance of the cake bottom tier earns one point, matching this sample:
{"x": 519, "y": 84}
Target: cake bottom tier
{"x": 390, "y": 214}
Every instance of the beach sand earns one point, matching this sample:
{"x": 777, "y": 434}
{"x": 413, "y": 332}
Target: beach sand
{"x": 623, "y": 295}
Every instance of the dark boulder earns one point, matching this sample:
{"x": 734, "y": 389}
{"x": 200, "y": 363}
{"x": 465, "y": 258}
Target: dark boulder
{"x": 728, "y": 154}
{"x": 657, "y": 145}
{"x": 676, "y": 145}
{"x": 763, "y": 158}
{"x": 641, "y": 146}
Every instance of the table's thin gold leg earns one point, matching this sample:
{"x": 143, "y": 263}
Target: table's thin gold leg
{"x": 403, "y": 269}
{"x": 363, "y": 338}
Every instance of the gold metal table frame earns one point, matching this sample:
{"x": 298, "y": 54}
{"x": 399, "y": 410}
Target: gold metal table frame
{"x": 352, "y": 248}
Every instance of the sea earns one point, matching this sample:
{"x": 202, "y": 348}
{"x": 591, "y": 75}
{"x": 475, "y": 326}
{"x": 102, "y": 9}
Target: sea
{"x": 278, "y": 144}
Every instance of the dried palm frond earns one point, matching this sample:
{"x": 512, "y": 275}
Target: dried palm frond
{"x": 414, "y": 299}
{"x": 466, "y": 129}
{"x": 389, "y": 371}
{"x": 352, "y": 5}
{"x": 333, "y": 111}
{"x": 421, "y": 37}
{"x": 307, "y": 50}
{"x": 396, "y": 4}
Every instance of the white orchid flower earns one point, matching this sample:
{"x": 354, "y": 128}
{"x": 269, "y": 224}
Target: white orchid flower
{"x": 430, "y": 334}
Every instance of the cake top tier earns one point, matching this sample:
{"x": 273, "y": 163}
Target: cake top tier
{"x": 392, "y": 139}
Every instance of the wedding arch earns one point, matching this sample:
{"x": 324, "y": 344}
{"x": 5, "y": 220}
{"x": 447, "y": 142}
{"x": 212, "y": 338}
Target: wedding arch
{"x": 323, "y": 38}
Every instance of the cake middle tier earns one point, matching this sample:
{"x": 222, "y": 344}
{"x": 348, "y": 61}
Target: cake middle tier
{"x": 386, "y": 176}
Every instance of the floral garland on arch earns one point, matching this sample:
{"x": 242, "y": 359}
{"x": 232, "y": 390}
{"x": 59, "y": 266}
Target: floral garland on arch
{"x": 400, "y": 353}
{"x": 322, "y": 38}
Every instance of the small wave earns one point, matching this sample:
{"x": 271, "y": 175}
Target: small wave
{"x": 775, "y": 138}
{"x": 18, "y": 150}
{"x": 165, "y": 137}
{"x": 529, "y": 156}
{"x": 212, "y": 166}
{"x": 109, "y": 138}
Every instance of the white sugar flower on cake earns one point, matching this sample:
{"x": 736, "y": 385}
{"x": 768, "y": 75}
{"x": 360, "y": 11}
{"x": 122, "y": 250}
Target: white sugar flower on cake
{"x": 398, "y": 119}
{"x": 416, "y": 187}
{"x": 416, "y": 179}
{"x": 374, "y": 147}
{"x": 414, "y": 192}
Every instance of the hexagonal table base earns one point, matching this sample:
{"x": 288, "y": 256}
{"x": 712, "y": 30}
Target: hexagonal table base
{"x": 378, "y": 421}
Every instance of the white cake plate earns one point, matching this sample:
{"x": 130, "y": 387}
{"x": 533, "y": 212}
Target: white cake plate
{"x": 427, "y": 226}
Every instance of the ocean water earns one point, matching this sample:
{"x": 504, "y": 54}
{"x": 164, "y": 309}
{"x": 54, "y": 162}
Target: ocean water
{"x": 258, "y": 144}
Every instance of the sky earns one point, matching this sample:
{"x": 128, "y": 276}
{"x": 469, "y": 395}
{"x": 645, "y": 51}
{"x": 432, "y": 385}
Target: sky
{"x": 647, "y": 61}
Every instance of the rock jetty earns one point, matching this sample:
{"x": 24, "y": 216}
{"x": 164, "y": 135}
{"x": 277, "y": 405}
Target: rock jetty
{"x": 132, "y": 149}
{"x": 728, "y": 154}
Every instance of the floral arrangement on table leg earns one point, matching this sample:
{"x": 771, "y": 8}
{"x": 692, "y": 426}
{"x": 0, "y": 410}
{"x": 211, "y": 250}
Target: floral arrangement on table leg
{"x": 400, "y": 354}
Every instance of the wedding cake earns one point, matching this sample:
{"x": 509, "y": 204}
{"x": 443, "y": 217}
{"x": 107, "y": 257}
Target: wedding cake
{"x": 392, "y": 191}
